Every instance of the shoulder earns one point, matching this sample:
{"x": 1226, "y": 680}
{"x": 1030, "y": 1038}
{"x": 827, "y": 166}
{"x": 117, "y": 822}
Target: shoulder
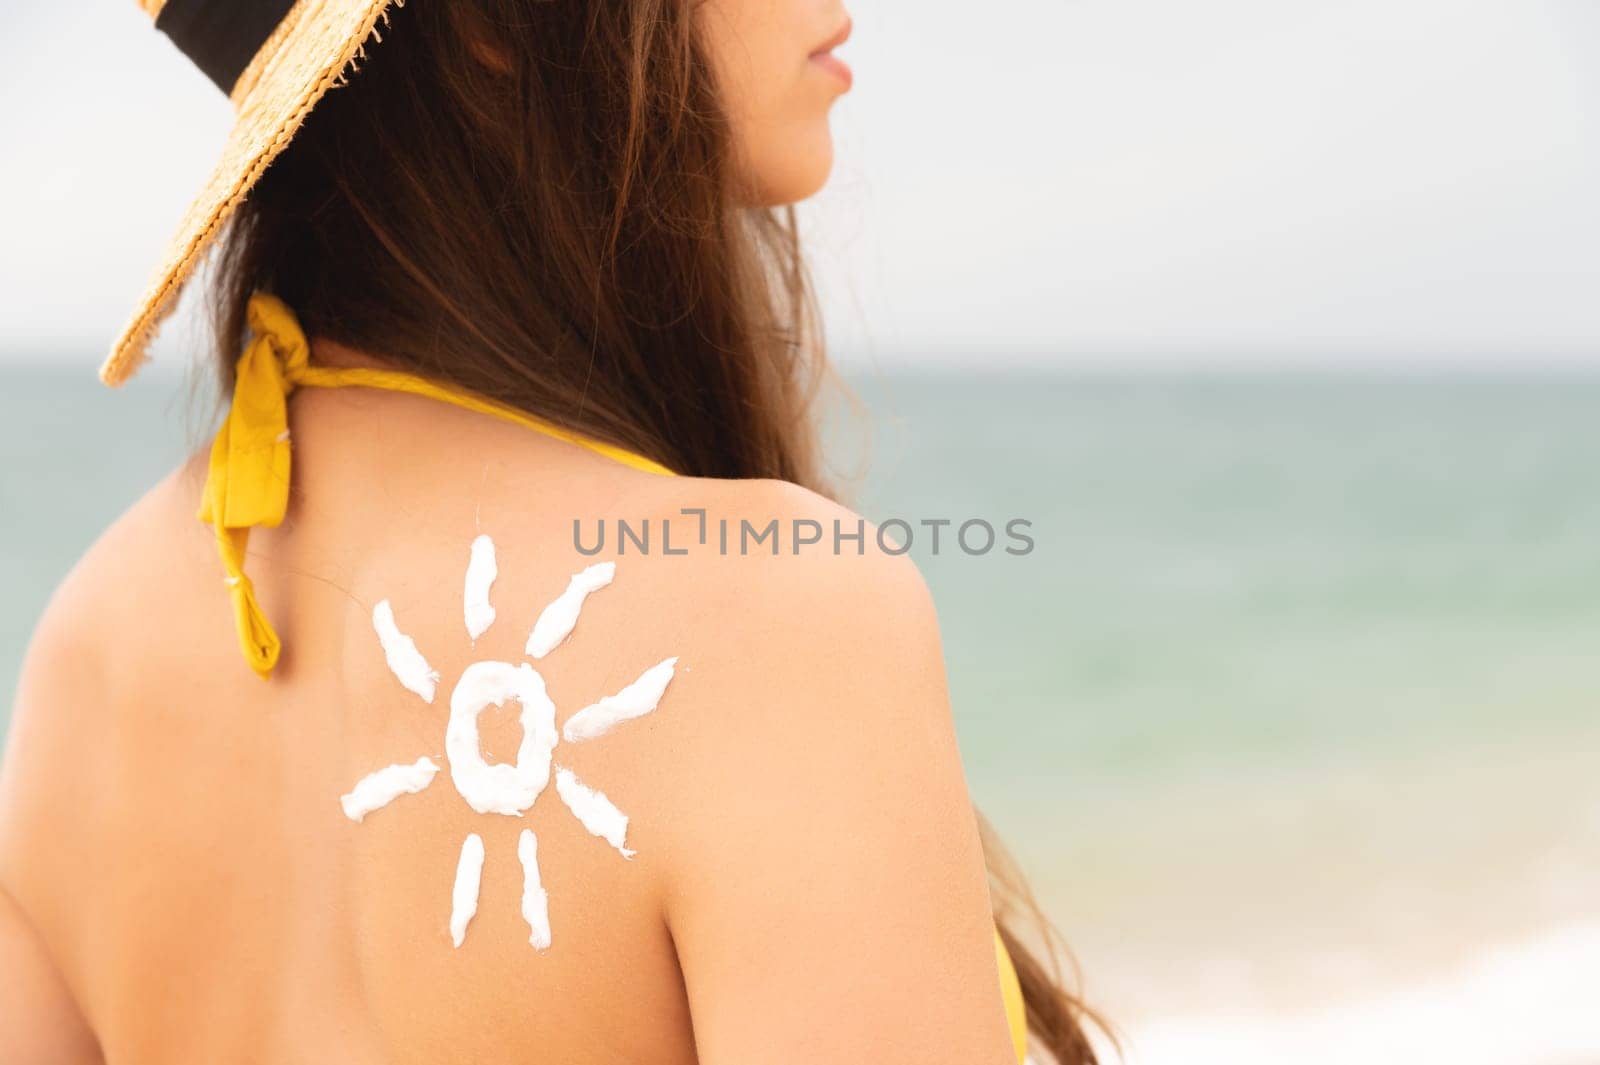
{"x": 131, "y": 566}
{"x": 810, "y": 662}
{"x": 822, "y": 849}
{"x": 779, "y": 586}
{"x": 58, "y": 761}
{"x": 800, "y": 643}
{"x": 802, "y": 560}
{"x": 84, "y": 653}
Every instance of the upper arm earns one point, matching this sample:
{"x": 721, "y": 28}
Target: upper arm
{"x": 829, "y": 901}
{"x": 39, "y": 1021}
{"x": 44, "y": 754}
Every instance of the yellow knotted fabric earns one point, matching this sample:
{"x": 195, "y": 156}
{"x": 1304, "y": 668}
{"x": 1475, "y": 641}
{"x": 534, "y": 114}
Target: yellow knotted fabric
{"x": 248, "y": 480}
{"x": 248, "y": 485}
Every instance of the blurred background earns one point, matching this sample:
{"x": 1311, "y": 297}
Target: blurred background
{"x": 1278, "y": 320}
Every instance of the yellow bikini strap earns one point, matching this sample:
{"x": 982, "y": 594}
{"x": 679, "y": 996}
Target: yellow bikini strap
{"x": 1011, "y": 995}
{"x": 248, "y": 481}
{"x": 400, "y": 381}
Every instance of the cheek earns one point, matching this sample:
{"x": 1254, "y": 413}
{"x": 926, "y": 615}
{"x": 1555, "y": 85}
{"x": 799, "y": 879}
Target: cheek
{"x": 777, "y": 101}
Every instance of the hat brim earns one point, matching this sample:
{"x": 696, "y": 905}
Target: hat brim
{"x": 309, "y": 53}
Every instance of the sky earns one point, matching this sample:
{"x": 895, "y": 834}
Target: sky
{"x": 1038, "y": 182}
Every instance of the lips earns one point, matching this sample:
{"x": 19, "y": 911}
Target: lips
{"x": 835, "y": 41}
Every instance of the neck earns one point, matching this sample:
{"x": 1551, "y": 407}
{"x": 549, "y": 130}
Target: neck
{"x": 334, "y": 355}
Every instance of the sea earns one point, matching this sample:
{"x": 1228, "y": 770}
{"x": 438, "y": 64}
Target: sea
{"x": 1287, "y": 698}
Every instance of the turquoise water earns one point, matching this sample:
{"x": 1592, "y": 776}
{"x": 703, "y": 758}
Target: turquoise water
{"x": 1299, "y": 693}
{"x": 1299, "y": 687}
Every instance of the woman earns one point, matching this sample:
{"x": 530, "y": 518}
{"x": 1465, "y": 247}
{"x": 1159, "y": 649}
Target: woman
{"x": 523, "y": 264}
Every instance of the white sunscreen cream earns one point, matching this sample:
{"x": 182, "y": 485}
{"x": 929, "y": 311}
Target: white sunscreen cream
{"x": 481, "y": 573}
{"x": 382, "y": 787}
{"x": 636, "y": 700}
{"x": 400, "y": 651}
{"x": 535, "y": 903}
{"x": 593, "y": 810}
{"x": 500, "y": 788}
{"x": 556, "y": 621}
{"x": 464, "y": 896}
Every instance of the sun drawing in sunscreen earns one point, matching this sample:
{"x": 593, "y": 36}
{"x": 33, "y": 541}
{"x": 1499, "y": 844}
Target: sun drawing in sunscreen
{"x": 501, "y": 788}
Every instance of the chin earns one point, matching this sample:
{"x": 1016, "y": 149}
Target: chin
{"x": 794, "y": 170}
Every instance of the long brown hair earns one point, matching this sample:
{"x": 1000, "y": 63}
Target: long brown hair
{"x": 534, "y": 201}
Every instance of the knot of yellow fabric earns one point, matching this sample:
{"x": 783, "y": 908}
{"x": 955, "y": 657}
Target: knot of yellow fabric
{"x": 248, "y": 480}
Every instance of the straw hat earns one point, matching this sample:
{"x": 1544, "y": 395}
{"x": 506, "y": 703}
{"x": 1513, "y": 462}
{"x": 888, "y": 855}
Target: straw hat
{"x": 275, "y": 59}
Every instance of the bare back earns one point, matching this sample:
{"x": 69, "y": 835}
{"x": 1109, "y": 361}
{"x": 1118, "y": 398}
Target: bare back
{"x": 798, "y": 848}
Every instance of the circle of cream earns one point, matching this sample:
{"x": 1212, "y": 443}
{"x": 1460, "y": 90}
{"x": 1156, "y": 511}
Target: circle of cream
{"x": 498, "y": 788}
